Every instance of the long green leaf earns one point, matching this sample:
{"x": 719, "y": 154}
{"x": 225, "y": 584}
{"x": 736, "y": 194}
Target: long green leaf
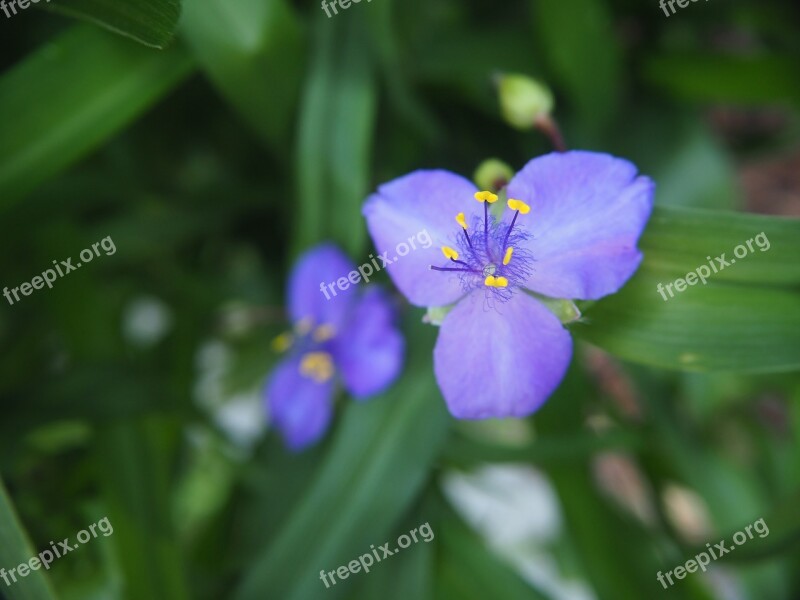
{"x": 733, "y": 79}
{"x": 335, "y": 137}
{"x": 253, "y": 52}
{"x": 150, "y": 22}
{"x": 741, "y": 319}
{"x": 378, "y": 462}
{"x": 15, "y": 549}
{"x": 583, "y": 55}
{"x": 135, "y": 481}
{"x": 71, "y": 95}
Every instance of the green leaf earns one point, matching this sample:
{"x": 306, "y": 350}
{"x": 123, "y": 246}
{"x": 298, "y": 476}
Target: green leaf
{"x": 579, "y": 43}
{"x": 150, "y": 22}
{"x": 135, "y": 478}
{"x": 71, "y": 95}
{"x": 15, "y": 549}
{"x": 379, "y": 459}
{"x": 765, "y": 79}
{"x": 335, "y": 138}
{"x": 739, "y": 320}
{"x": 253, "y": 51}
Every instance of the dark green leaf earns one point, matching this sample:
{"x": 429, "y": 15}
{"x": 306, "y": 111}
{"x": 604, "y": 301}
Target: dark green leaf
{"x": 151, "y": 22}
{"x": 253, "y": 51}
{"x": 375, "y": 468}
{"x": 15, "y": 549}
{"x": 71, "y": 95}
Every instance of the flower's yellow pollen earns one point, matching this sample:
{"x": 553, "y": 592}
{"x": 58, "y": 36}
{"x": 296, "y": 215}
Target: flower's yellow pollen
{"x": 282, "y": 342}
{"x": 507, "y": 257}
{"x": 303, "y": 326}
{"x": 497, "y": 282}
{"x": 324, "y": 332}
{"x": 519, "y": 205}
{"x": 461, "y": 220}
{"x": 486, "y": 197}
{"x": 449, "y": 253}
{"x": 317, "y": 366}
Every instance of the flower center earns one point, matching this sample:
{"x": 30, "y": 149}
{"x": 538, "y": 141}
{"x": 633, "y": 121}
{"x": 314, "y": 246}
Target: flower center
{"x": 491, "y": 256}
{"x": 310, "y": 342}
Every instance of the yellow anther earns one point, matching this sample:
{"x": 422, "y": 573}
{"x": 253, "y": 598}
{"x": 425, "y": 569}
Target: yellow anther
{"x": 486, "y": 197}
{"x": 507, "y": 257}
{"x": 323, "y": 333}
{"x": 519, "y": 205}
{"x": 497, "y": 282}
{"x": 461, "y": 220}
{"x": 282, "y": 342}
{"x": 317, "y": 366}
{"x": 449, "y": 253}
{"x": 303, "y": 326}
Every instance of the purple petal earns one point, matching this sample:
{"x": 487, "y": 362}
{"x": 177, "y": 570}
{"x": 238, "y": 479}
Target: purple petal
{"x": 587, "y": 213}
{"x": 369, "y": 351}
{"x": 501, "y": 361}
{"x": 422, "y": 207}
{"x": 318, "y": 267}
{"x": 300, "y": 408}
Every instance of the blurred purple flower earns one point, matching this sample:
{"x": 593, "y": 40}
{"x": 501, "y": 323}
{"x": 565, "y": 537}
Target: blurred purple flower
{"x": 570, "y": 233}
{"x": 351, "y": 338}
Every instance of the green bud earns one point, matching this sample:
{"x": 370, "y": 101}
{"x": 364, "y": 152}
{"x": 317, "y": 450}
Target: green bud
{"x": 492, "y": 175}
{"x": 523, "y": 100}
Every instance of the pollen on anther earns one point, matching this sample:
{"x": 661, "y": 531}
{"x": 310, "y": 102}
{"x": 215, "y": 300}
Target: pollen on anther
{"x": 461, "y": 220}
{"x": 317, "y": 366}
{"x": 496, "y": 282}
{"x": 519, "y": 205}
{"x": 282, "y": 342}
{"x": 449, "y": 253}
{"x": 507, "y": 257}
{"x": 486, "y": 196}
{"x": 323, "y": 333}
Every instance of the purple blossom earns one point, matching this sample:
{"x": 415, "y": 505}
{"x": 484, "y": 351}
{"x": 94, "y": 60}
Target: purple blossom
{"x": 569, "y": 231}
{"x": 351, "y": 338}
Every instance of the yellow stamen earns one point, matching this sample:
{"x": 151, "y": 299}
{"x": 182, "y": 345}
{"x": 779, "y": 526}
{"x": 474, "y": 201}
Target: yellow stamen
{"x": 449, "y": 253}
{"x": 317, "y": 366}
{"x": 461, "y": 220}
{"x": 496, "y": 282}
{"x": 323, "y": 333}
{"x": 486, "y": 197}
{"x": 507, "y": 257}
{"x": 282, "y": 342}
{"x": 519, "y": 205}
{"x": 303, "y": 326}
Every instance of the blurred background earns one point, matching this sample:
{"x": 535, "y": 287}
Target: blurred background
{"x": 215, "y": 140}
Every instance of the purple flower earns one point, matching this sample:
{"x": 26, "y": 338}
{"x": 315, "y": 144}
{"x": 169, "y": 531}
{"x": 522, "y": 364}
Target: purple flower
{"x": 351, "y": 338}
{"x": 569, "y": 231}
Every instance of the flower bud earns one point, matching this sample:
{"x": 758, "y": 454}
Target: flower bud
{"x": 492, "y": 175}
{"x": 523, "y": 100}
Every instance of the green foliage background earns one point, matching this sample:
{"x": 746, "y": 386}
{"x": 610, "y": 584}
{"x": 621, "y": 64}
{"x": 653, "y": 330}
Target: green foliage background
{"x": 214, "y": 140}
